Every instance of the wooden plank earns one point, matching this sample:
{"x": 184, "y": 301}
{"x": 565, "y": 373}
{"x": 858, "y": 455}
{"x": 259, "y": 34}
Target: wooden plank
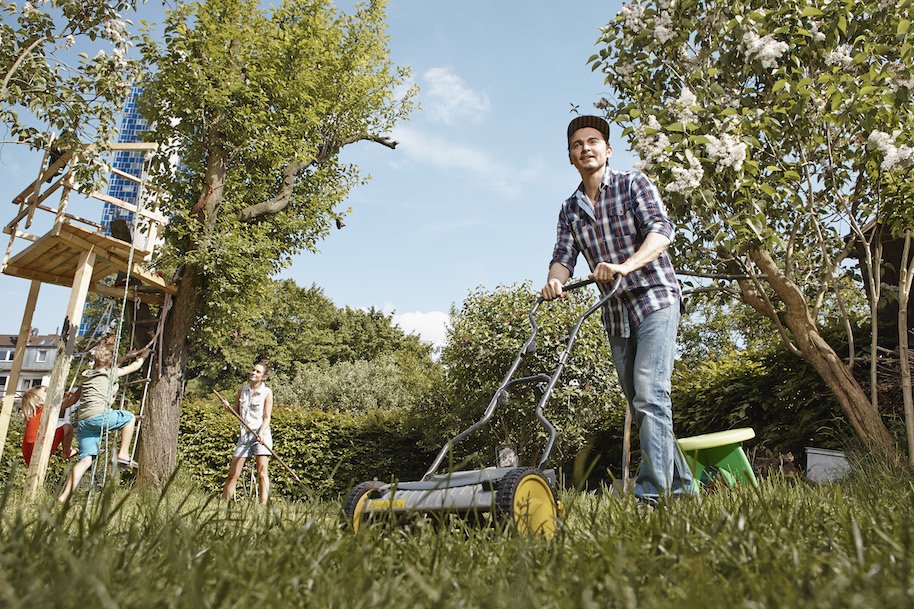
{"x": 21, "y": 234}
{"x": 65, "y": 349}
{"x": 25, "y": 330}
{"x": 22, "y": 196}
{"x": 134, "y": 146}
{"x": 44, "y": 242}
{"x": 118, "y": 292}
{"x": 144, "y": 212}
{"x": 59, "y": 261}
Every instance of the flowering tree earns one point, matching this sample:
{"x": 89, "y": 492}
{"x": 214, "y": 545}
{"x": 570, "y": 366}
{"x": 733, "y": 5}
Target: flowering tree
{"x": 71, "y": 98}
{"x": 776, "y": 130}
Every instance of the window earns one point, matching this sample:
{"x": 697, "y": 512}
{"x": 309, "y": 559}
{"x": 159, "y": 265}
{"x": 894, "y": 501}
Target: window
{"x": 9, "y": 354}
{"x": 35, "y": 383}
{"x": 3, "y": 383}
{"x": 42, "y": 356}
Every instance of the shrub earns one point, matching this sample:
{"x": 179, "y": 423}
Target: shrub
{"x": 328, "y": 451}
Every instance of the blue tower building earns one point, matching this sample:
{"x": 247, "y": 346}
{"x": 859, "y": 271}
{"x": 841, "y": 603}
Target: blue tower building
{"x": 128, "y": 161}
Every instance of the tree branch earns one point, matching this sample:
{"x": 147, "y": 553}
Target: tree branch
{"x": 19, "y": 60}
{"x": 290, "y": 174}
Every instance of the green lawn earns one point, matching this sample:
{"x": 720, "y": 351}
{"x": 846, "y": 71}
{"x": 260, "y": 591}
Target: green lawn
{"x": 785, "y": 544}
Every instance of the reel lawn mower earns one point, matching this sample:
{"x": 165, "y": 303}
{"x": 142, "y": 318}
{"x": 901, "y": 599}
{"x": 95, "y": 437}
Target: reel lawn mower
{"x": 525, "y": 496}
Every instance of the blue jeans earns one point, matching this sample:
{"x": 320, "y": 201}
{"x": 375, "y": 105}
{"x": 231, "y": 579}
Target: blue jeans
{"x": 644, "y": 362}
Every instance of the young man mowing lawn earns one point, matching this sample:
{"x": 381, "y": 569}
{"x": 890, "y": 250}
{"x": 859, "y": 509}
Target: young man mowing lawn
{"x": 617, "y": 220}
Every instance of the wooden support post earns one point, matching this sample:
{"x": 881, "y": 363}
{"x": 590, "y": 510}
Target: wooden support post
{"x": 627, "y": 450}
{"x": 65, "y": 350}
{"x": 25, "y": 329}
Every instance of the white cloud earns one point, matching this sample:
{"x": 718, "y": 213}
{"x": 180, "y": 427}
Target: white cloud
{"x": 430, "y": 326}
{"x": 426, "y": 148}
{"x": 447, "y": 99}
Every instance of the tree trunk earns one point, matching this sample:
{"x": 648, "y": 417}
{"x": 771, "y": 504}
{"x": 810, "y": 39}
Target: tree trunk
{"x": 158, "y": 450}
{"x": 159, "y": 441}
{"x": 862, "y": 414}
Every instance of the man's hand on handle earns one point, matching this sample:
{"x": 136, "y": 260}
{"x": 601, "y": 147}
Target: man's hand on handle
{"x": 605, "y": 272}
{"x": 553, "y": 289}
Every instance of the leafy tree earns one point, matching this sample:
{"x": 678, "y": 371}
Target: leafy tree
{"x": 489, "y": 329}
{"x": 73, "y": 98}
{"x": 257, "y": 104}
{"x": 297, "y": 327}
{"x": 775, "y": 129}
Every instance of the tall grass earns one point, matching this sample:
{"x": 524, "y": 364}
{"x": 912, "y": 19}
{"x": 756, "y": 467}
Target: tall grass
{"x": 784, "y": 544}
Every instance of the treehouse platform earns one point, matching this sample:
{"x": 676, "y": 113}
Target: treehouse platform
{"x": 57, "y": 255}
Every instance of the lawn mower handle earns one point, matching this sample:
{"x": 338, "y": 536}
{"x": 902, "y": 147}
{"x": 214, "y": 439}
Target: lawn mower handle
{"x": 528, "y": 347}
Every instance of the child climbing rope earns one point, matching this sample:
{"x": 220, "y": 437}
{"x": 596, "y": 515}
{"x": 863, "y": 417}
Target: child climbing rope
{"x": 255, "y": 405}
{"x": 32, "y": 406}
{"x": 94, "y": 416}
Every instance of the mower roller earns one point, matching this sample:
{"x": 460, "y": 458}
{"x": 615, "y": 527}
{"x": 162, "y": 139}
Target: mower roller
{"x": 525, "y": 496}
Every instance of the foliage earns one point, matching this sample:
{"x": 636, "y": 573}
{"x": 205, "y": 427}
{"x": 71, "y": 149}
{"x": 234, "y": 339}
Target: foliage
{"x": 487, "y": 334}
{"x": 773, "y": 129}
{"x": 785, "y": 545}
{"x": 780, "y": 397}
{"x": 295, "y": 327}
{"x": 381, "y": 383}
{"x": 329, "y": 451}
{"x": 75, "y": 98}
{"x": 710, "y": 330}
{"x": 760, "y": 120}
{"x": 256, "y": 103}
{"x": 259, "y": 100}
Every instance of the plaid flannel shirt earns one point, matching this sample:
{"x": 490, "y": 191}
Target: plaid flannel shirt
{"x": 628, "y": 207}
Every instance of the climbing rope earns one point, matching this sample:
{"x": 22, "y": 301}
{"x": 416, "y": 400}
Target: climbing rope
{"x": 112, "y": 371}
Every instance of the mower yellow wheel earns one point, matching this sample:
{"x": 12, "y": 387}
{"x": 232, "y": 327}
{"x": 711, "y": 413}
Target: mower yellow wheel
{"x": 525, "y": 497}
{"x": 354, "y": 507}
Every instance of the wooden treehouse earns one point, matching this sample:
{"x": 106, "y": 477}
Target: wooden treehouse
{"x": 79, "y": 253}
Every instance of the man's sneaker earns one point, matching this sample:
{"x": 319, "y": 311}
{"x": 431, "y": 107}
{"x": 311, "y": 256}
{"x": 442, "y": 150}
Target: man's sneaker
{"x": 646, "y": 504}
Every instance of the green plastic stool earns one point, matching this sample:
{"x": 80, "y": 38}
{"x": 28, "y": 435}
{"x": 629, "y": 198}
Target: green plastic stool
{"x": 721, "y": 452}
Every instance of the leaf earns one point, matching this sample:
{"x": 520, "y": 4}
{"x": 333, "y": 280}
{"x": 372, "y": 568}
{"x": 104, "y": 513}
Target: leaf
{"x": 903, "y": 26}
{"x": 811, "y": 11}
{"x": 779, "y": 85}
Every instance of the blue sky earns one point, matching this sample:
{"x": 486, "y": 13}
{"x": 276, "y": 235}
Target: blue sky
{"x": 471, "y": 195}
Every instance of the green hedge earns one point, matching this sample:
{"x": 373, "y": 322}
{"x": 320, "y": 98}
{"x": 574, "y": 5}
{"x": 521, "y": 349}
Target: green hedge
{"x": 329, "y": 451}
{"x": 777, "y": 394}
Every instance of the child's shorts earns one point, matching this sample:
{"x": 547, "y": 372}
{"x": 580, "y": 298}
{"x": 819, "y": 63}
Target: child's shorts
{"x": 89, "y": 432}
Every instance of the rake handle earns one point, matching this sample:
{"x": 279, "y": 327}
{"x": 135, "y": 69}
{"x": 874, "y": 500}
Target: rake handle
{"x": 227, "y": 405}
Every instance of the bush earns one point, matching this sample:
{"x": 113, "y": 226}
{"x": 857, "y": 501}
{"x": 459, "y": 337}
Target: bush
{"x": 328, "y": 451}
{"x": 359, "y": 386}
{"x": 487, "y": 333}
{"x": 777, "y": 394}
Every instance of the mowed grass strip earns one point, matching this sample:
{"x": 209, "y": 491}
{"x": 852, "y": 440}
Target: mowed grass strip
{"x": 784, "y": 544}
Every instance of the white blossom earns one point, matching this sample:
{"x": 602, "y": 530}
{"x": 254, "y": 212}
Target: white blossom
{"x": 651, "y": 147}
{"x": 69, "y": 41}
{"x": 28, "y": 9}
{"x": 663, "y": 27}
{"x": 119, "y": 57}
{"x": 683, "y": 107}
{"x": 686, "y": 179}
{"x": 907, "y": 83}
{"x": 764, "y": 48}
{"x": 816, "y": 34}
{"x": 840, "y": 56}
{"x": 101, "y": 54}
{"x": 115, "y": 30}
{"x": 892, "y": 155}
{"x": 625, "y": 70}
{"x": 633, "y": 15}
{"x": 726, "y": 150}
